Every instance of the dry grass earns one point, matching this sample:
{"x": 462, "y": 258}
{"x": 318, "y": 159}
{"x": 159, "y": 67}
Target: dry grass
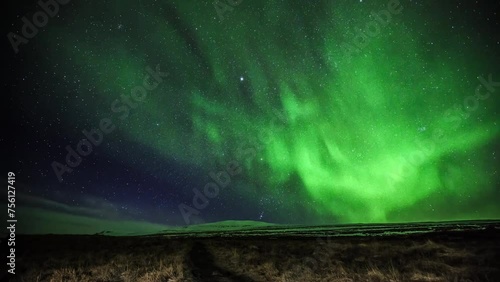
{"x": 148, "y": 259}
{"x": 347, "y": 259}
{"x": 97, "y": 263}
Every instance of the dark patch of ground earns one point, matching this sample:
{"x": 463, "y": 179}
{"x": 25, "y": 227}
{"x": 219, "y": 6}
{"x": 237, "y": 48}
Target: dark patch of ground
{"x": 447, "y": 255}
{"x": 203, "y": 267}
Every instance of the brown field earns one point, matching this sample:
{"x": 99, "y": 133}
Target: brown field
{"x": 444, "y": 256}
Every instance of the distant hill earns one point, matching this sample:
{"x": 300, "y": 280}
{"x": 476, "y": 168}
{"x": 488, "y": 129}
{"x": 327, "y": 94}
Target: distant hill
{"x": 226, "y": 225}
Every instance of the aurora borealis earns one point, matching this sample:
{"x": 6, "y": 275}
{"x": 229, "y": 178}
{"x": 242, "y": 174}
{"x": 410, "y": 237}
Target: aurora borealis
{"x": 400, "y": 126}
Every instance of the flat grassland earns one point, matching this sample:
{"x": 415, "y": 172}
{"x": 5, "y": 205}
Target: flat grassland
{"x": 472, "y": 255}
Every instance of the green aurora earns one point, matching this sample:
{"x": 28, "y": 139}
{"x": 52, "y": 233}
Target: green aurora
{"x": 378, "y": 134}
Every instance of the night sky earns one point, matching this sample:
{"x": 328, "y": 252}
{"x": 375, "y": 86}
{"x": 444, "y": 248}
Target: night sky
{"x": 295, "y": 112}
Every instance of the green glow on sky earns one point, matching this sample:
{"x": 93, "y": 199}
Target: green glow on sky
{"x": 354, "y": 125}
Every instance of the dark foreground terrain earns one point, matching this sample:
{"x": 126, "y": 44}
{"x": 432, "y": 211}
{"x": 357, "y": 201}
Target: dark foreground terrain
{"x": 445, "y": 255}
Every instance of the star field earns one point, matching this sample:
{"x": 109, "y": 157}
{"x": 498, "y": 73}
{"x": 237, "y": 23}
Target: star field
{"x": 326, "y": 125}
